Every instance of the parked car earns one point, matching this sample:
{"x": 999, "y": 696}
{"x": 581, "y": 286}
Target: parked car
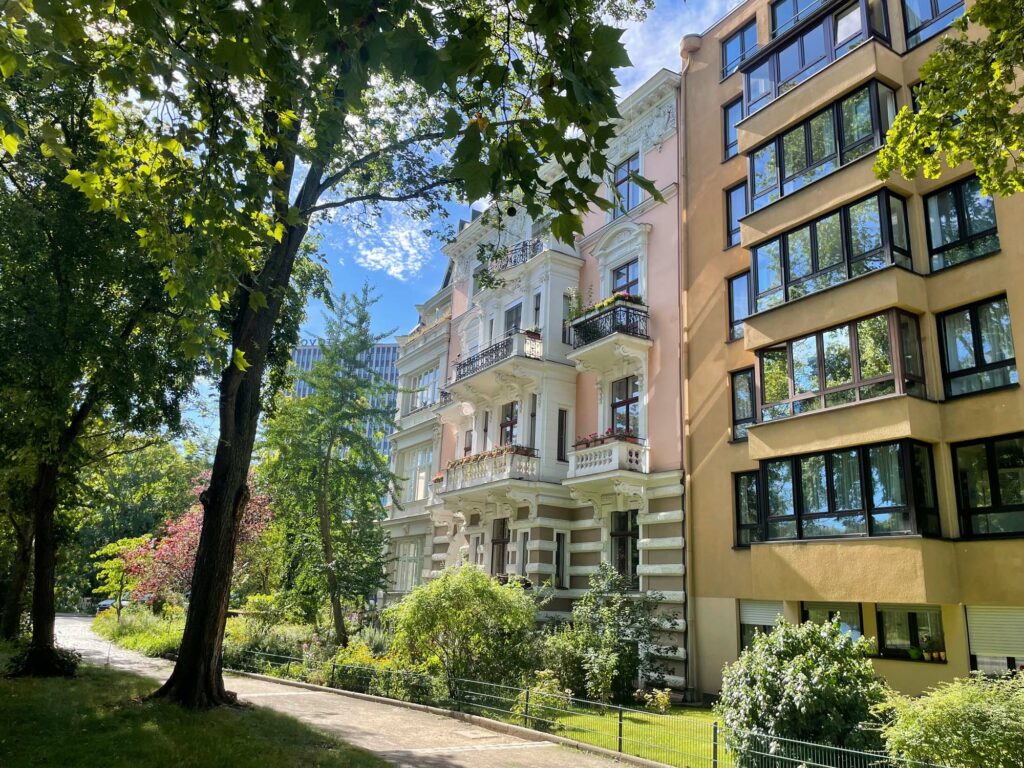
{"x": 103, "y": 605}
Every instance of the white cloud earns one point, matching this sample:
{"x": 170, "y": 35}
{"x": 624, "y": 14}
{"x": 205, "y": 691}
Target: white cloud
{"x": 396, "y": 245}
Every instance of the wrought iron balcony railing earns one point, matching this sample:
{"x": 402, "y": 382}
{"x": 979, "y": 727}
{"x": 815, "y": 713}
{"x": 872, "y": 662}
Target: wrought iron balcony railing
{"x": 517, "y": 254}
{"x": 445, "y": 398}
{"x": 514, "y": 344}
{"x": 618, "y": 318}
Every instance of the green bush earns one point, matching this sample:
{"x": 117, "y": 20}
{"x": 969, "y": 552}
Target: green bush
{"x": 377, "y": 638}
{"x": 973, "y": 722}
{"x": 140, "y": 630}
{"x": 810, "y": 682}
{"x": 542, "y": 704}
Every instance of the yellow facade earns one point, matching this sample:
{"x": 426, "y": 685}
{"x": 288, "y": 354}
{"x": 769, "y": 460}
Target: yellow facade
{"x": 942, "y": 577}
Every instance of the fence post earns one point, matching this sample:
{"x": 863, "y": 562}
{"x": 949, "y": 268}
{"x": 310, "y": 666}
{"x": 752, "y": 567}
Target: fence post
{"x": 334, "y": 667}
{"x": 714, "y": 744}
{"x": 526, "y": 709}
{"x": 620, "y": 729}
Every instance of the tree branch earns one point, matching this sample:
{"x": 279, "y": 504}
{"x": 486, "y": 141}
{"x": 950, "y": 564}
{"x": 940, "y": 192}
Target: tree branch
{"x": 377, "y": 197}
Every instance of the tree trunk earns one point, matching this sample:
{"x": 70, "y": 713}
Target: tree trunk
{"x": 324, "y": 515}
{"x": 10, "y": 623}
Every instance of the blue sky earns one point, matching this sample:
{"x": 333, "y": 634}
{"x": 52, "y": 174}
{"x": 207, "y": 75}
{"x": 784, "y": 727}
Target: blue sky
{"x": 403, "y": 265}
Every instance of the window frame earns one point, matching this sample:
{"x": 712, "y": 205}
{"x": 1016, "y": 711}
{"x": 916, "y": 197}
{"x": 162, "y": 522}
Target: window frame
{"x": 732, "y": 234}
{"x": 965, "y": 512}
{"x": 624, "y": 404}
{"x": 508, "y": 427}
{"x": 630, "y": 534}
{"x": 805, "y": 614}
{"x": 626, "y": 194}
{"x": 978, "y": 349}
{"x": 731, "y": 148}
{"x": 561, "y": 558}
{"x": 755, "y": 530}
{"x": 957, "y": 188}
{"x": 953, "y": 13}
{"x": 562, "y": 436}
{"x": 737, "y": 422}
{"x": 916, "y": 640}
{"x": 732, "y": 66}
{"x": 630, "y": 286}
{"x": 499, "y": 546}
{"x": 734, "y": 322}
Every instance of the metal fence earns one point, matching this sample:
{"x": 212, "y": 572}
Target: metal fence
{"x": 673, "y": 739}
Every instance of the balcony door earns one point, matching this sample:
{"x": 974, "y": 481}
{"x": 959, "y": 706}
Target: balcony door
{"x": 513, "y": 318}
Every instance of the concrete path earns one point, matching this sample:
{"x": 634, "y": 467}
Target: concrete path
{"x": 403, "y": 737}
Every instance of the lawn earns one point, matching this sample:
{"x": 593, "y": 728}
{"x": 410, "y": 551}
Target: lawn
{"x": 98, "y": 719}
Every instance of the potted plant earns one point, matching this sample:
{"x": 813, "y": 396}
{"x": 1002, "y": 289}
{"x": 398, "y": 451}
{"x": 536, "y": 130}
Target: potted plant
{"x": 439, "y": 477}
{"x": 914, "y": 653}
{"x": 532, "y": 333}
{"x": 931, "y": 648}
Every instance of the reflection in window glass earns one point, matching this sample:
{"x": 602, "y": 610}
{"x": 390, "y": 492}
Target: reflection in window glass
{"x": 961, "y": 224}
{"x": 978, "y": 348}
{"x": 873, "y": 349}
{"x": 848, "y": 26}
{"x": 990, "y": 486}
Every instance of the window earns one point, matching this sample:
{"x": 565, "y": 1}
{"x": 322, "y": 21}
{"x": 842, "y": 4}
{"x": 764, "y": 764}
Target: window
{"x": 626, "y": 278}
{"x": 906, "y": 632}
{"x": 415, "y": 466}
{"x": 627, "y": 192}
{"x": 467, "y": 443}
{"x": 786, "y": 14}
{"x": 533, "y": 421}
{"x": 743, "y": 413}
{"x": 407, "y": 565}
{"x": 626, "y": 405}
{"x": 737, "y": 47}
{"x": 852, "y": 241}
{"x": 425, "y": 390}
{"x": 990, "y": 486}
{"x": 523, "y": 553}
{"x": 501, "y": 536}
{"x": 847, "y": 613}
{"x": 757, "y": 616}
{"x": 476, "y": 549}
{"x": 562, "y": 449}
{"x": 875, "y": 490}
{"x": 873, "y": 357}
{"x": 961, "y": 224}
{"x": 923, "y": 19}
{"x": 625, "y": 535}
{"x": 843, "y": 132}
{"x": 977, "y": 348}
{"x": 995, "y": 635}
{"x": 509, "y": 426}
{"x": 732, "y": 113}
{"x": 739, "y": 304}
{"x": 561, "y": 560}
{"x": 748, "y": 527}
{"x": 736, "y": 209}
{"x": 514, "y": 318}
{"x": 536, "y": 309}
{"x": 566, "y": 322}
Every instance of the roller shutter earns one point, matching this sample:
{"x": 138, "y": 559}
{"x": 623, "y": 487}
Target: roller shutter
{"x": 760, "y": 612}
{"x": 996, "y": 630}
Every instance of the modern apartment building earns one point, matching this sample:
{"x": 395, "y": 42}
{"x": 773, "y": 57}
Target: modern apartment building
{"x": 854, "y": 426}
{"x": 381, "y": 359}
{"x": 542, "y": 433}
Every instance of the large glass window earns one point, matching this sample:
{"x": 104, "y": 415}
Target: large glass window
{"x": 786, "y": 14}
{"x": 739, "y": 304}
{"x": 908, "y": 632}
{"x": 736, "y": 209}
{"x": 626, "y": 405}
{"x": 732, "y": 113}
{"x": 876, "y": 356}
{"x": 743, "y": 403}
{"x": 737, "y": 47}
{"x": 626, "y": 278}
{"x": 408, "y": 565}
{"x": 990, "y": 486}
{"x": 509, "y": 425}
{"x": 627, "y": 192}
{"x": 845, "y": 131}
{"x": 425, "y": 389}
{"x": 961, "y": 224}
{"x": 857, "y": 239}
{"x": 875, "y": 490}
{"x": 977, "y": 348}
{"x": 924, "y": 19}
{"x": 625, "y": 536}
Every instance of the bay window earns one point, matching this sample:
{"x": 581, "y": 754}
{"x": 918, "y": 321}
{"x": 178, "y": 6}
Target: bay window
{"x": 868, "y": 358}
{"x": 875, "y": 490}
{"x": 977, "y": 348}
{"x": 989, "y": 477}
{"x": 961, "y": 224}
{"x": 923, "y": 19}
{"x": 856, "y": 239}
{"x": 743, "y": 402}
{"x": 844, "y": 131}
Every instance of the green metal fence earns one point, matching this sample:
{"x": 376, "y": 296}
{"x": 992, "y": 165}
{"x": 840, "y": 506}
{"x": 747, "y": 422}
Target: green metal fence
{"x": 673, "y": 739}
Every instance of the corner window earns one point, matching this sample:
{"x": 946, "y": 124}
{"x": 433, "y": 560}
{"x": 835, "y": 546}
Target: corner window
{"x": 625, "y": 536}
{"x": 500, "y": 539}
{"x": 961, "y": 224}
{"x": 990, "y": 486}
{"x": 626, "y": 405}
{"x": 739, "y": 304}
{"x": 736, "y": 209}
{"x": 627, "y": 192}
{"x": 509, "y": 426}
{"x": 737, "y": 47}
{"x": 732, "y": 113}
{"x": 743, "y": 408}
{"x": 748, "y": 526}
{"x": 626, "y": 278}
{"x": 923, "y": 19}
{"x": 977, "y": 348}
{"x": 910, "y": 632}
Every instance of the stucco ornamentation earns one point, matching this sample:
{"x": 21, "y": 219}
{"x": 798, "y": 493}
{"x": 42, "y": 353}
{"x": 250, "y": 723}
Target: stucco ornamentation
{"x": 649, "y": 131}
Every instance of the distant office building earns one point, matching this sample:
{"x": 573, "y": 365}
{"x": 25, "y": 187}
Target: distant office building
{"x": 382, "y": 359}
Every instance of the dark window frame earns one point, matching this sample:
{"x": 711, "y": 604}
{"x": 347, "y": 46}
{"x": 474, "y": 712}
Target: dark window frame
{"x": 746, "y": 533}
{"x": 739, "y": 425}
{"x": 627, "y": 194}
{"x": 922, "y": 520}
{"x": 916, "y": 639}
{"x": 901, "y": 378}
{"x": 852, "y": 265}
{"x": 949, "y": 15}
{"x": 805, "y": 614}
{"x": 965, "y": 512}
{"x": 735, "y": 332}
{"x": 508, "y": 427}
{"x": 562, "y": 449}
{"x": 964, "y": 239}
{"x": 732, "y": 234}
{"x": 630, "y": 534}
{"x": 561, "y": 558}
{"x": 731, "y": 147}
{"x": 732, "y": 66}
{"x": 879, "y": 128}
{"x": 628, "y": 283}
{"x": 501, "y": 537}
{"x": 624, "y": 403}
{"x": 976, "y": 338}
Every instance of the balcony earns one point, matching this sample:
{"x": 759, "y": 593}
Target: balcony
{"x": 513, "y": 364}
{"x": 514, "y": 344}
{"x": 609, "y": 455}
{"x": 517, "y": 254}
{"x": 504, "y": 463}
{"x": 603, "y": 337}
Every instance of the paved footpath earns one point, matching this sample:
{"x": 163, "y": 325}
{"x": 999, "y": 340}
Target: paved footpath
{"x": 404, "y": 737}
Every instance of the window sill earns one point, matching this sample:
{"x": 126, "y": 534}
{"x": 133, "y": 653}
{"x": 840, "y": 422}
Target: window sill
{"x": 884, "y": 657}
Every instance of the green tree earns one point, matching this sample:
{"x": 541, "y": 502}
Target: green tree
{"x": 262, "y": 118}
{"x": 968, "y": 103}
{"x": 469, "y": 625}
{"x": 115, "y": 573}
{"x": 809, "y": 682}
{"x": 323, "y": 469}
